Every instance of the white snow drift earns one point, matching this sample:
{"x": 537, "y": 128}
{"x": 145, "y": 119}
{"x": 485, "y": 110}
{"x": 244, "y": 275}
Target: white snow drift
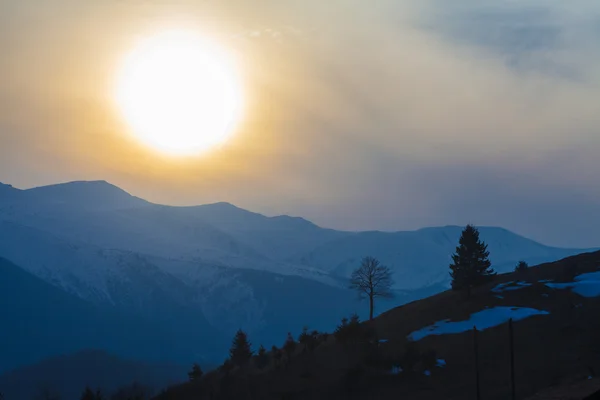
{"x": 586, "y": 285}
{"x": 482, "y": 320}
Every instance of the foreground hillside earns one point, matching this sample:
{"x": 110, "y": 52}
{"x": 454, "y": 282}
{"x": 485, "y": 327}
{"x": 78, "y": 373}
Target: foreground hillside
{"x": 555, "y": 307}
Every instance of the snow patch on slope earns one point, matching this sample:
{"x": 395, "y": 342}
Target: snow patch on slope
{"x": 586, "y": 285}
{"x": 510, "y": 286}
{"x": 484, "y": 319}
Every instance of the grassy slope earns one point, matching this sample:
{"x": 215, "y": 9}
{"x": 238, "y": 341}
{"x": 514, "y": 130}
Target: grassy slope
{"x": 549, "y": 349}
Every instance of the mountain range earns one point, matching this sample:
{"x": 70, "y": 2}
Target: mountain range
{"x": 87, "y": 265}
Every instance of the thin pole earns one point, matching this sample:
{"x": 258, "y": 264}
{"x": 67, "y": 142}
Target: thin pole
{"x": 512, "y": 360}
{"x": 476, "y": 363}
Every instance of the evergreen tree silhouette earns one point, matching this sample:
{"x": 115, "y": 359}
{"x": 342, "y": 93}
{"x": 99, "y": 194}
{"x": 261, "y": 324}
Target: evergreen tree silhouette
{"x": 240, "y": 351}
{"x": 196, "y": 373}
{"x": 521, "y": 266}
{"x": 308, "y": 339}
{"x": 88, "y": 394}
{"x": 262, "y": 359}
{"x": 289, "y": 345}
{"x": 471, "y": 265}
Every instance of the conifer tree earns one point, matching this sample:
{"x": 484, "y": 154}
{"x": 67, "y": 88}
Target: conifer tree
{"x": 521, "y": 266}
{"x": 88, "y": 394}
{"x": 308, "y": 339}
{"x": 471, "y": 265}
{"x": 262, "y": 359}
{"x": 196, "y": 373}
{"x": 290, "y": 345}
{"x": 240, "y": 351}
{"x": 350, "y": 330}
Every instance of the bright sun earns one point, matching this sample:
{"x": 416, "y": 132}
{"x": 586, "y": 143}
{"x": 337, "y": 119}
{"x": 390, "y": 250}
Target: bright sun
{"x": 179, "y": 93}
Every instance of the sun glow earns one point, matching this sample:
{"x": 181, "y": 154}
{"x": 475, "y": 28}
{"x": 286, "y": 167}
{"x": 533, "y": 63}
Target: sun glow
{"x": 179, "y": 93}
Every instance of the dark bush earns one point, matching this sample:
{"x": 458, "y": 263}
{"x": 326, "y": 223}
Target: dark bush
{"x": 411, "y": 357}
{"x": 351, "y": 331}
{"x": 195, "y": 374}
{"x": 309, "y": 340}
{"x": 289, "y": 345}
{"x": 132, "y": 392}
{"x": 522, "y": 266}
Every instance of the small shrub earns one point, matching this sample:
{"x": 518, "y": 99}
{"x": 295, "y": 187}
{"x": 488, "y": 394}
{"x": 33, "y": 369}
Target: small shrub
{"x": 195, "y": 374}
{"x": 305, "y": 337}
{"x": 411, "y": 357}
{"x": 289, "y": 345}
{"x": 351, "y": 331}
{"x": 522, "y": 266}
{"x": 274, "y": 350}
{"x": 89, "y": 394}
{"x": 309, "y": 340}
{"x": 132, "y": 392}
{"x": 429, "y": 359}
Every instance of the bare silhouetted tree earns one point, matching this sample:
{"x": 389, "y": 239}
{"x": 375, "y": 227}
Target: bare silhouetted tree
{"x": 372, "y": 280}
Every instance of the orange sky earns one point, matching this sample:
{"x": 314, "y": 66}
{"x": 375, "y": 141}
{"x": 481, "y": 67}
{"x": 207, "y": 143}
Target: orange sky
{"x": 359, "y": 115}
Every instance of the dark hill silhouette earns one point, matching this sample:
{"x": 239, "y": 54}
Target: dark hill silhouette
{"x": 68, "y": 375}
{"x": 39, "y": 320}
{"x": 558, "y": 343}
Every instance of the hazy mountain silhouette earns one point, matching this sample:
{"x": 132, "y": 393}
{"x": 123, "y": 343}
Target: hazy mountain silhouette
{"x": 41, "y": 320}
{"x": 199, "y": 273}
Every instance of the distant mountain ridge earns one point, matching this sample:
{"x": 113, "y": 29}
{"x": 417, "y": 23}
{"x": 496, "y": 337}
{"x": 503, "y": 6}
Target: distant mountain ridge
{"x": 94, "y": 195}
{"x": 102, "y": 215}
{"x": 218, "y": 267}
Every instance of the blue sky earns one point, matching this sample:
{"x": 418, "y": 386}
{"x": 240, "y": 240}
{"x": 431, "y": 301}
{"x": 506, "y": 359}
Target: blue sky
{"x": 362, "y": 115}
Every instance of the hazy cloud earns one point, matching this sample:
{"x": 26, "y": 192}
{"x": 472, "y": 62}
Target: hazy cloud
{"x": 360, "y": 115}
